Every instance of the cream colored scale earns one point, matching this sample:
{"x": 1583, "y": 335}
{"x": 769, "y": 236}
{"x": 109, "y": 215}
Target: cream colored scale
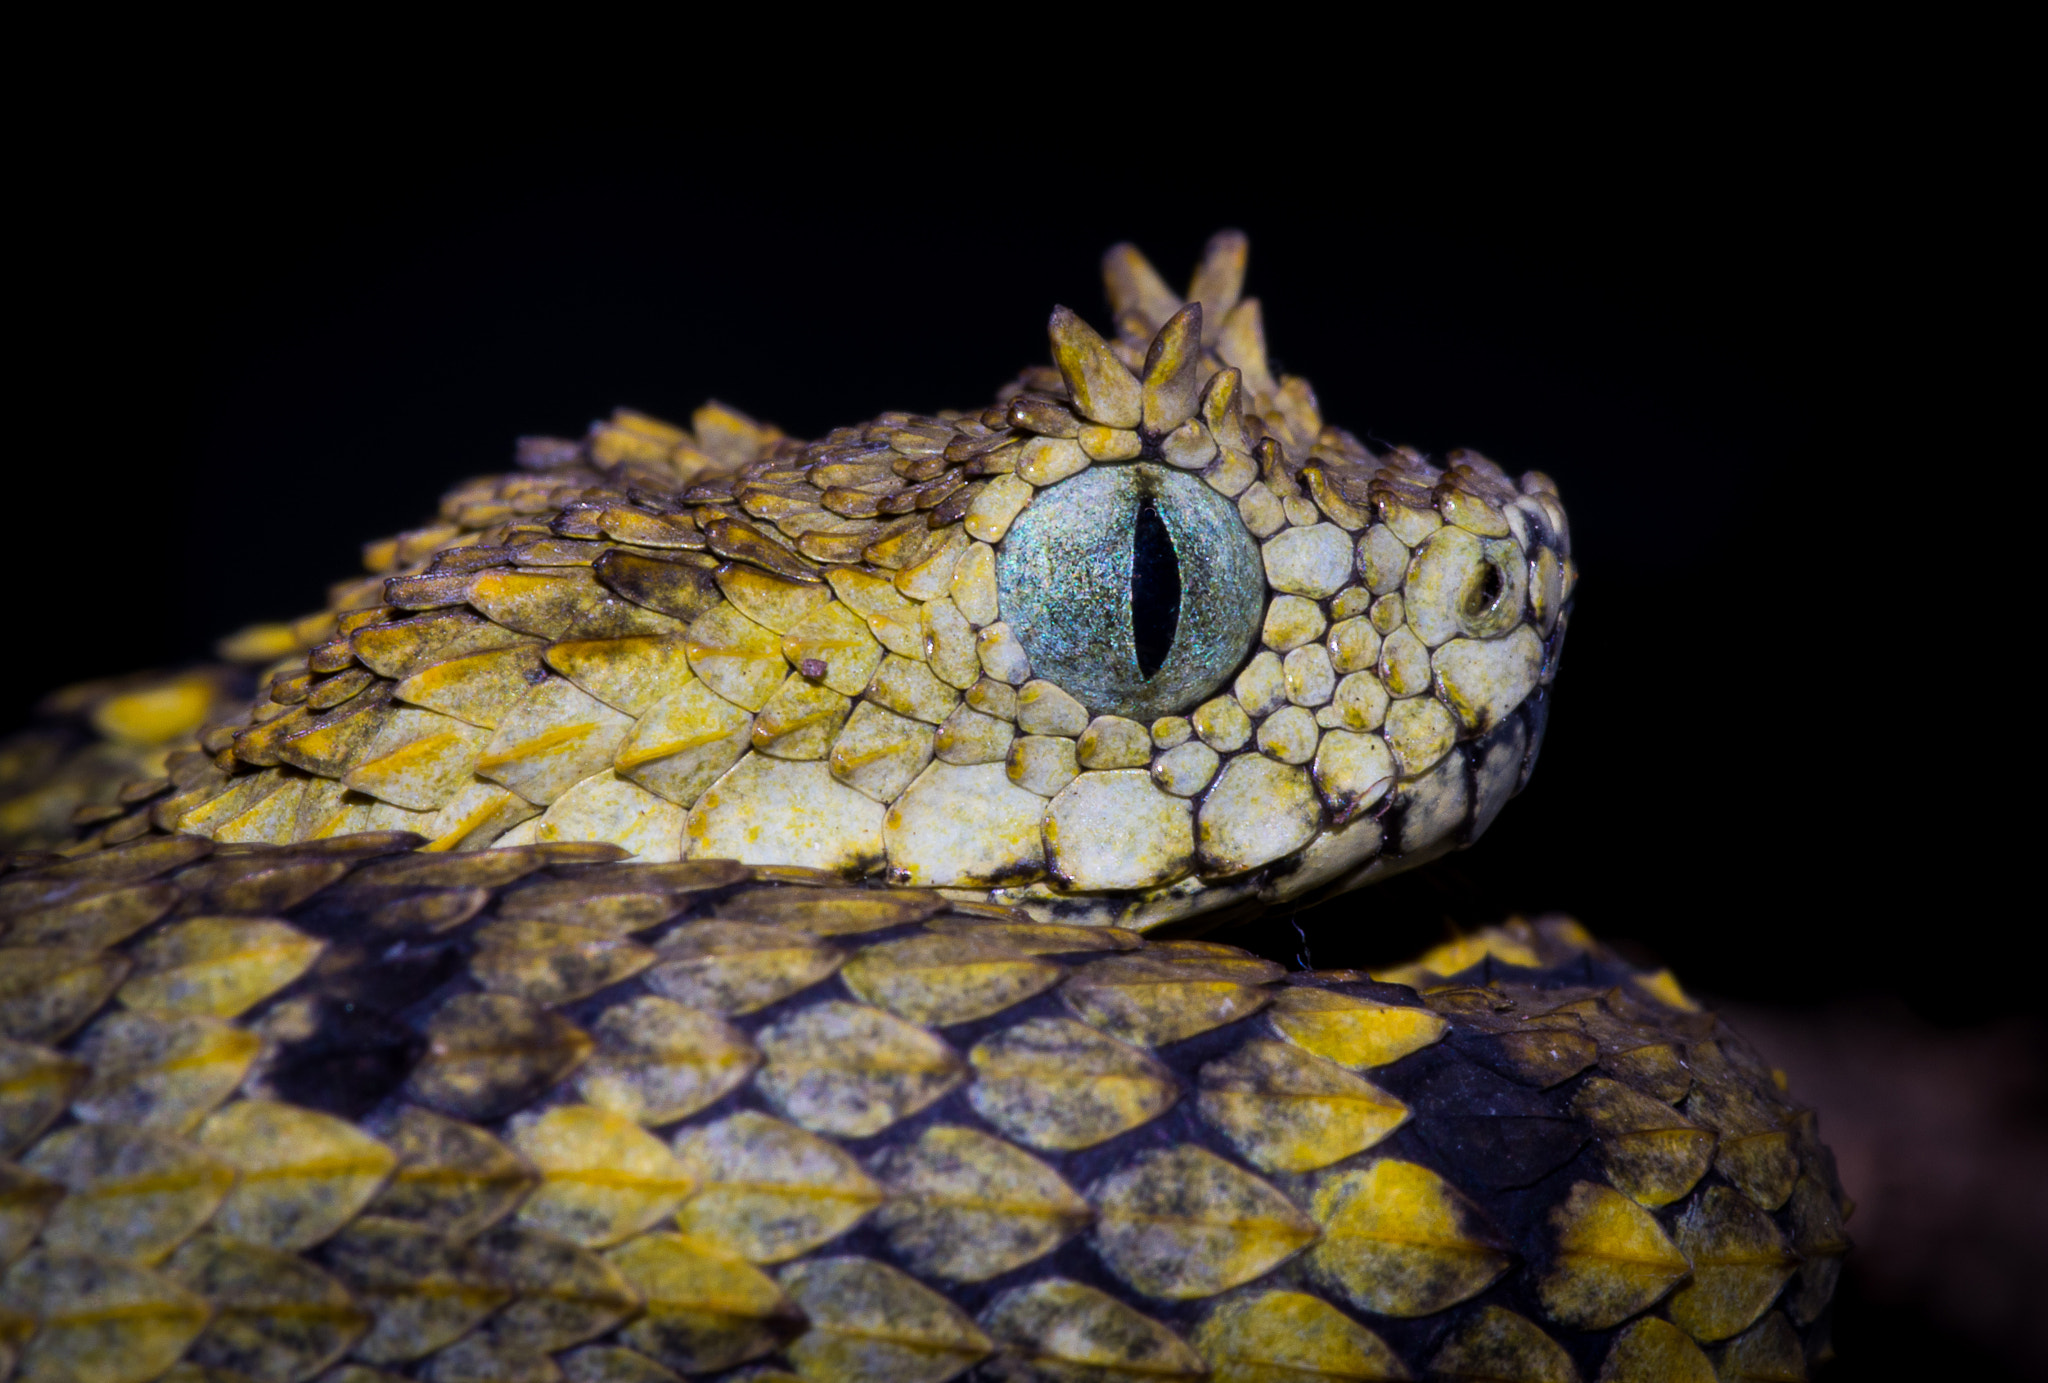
{"x": 721, "y": 643}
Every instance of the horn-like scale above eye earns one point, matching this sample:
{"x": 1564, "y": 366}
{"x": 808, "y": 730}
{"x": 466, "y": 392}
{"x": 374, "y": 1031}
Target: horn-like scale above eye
{"x": 1136, "y": 588}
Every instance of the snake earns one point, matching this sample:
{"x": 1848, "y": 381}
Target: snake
{"x": 717, "y": 904}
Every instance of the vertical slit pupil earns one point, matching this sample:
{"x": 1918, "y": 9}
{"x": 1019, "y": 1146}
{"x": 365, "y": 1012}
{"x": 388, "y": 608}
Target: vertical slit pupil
{"x": 1155, "y": 588}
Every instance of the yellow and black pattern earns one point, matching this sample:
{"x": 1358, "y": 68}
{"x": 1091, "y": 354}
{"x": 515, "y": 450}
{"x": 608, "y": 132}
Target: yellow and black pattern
{"x": 683, "y": 913}
{"x": 340, "y": 1110}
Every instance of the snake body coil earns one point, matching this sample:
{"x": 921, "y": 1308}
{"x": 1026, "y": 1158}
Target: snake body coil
{"x": 685, "y": 912}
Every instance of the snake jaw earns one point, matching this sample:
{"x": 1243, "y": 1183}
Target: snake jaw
{"x": 1143, "y": 640}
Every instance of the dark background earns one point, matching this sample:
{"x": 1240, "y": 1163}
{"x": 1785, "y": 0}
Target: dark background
{"x": 245, "y": 351}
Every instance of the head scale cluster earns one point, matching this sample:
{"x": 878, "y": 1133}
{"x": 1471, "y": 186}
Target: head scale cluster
{"x": 721, "y": 641}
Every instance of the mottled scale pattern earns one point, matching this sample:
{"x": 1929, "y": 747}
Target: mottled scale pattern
{"x": 721, "y": 642}
{"x": 344, "y": 1110}
{"x": 657, "y": 922}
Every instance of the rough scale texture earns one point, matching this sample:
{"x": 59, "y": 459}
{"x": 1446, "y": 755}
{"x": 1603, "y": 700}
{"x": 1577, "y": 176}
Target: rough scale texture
{"x": 657, "y": 924}
{"x": 528, "y": 1114}
{"x": 727, "y": 643}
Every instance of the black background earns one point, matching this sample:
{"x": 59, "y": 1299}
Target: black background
{"x": 247, "y": 351}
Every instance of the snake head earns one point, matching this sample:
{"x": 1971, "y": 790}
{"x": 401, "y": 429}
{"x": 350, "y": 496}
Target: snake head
{"x": 1142, "y": 641}
{"x": 1338, "y": 662}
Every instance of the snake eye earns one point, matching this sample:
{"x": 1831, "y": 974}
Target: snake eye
{"x": 1136, "y": 588}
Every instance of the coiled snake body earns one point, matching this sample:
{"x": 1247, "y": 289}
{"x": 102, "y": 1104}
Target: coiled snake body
{"x": 698, "y": 908}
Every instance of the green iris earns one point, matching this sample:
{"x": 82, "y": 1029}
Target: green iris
{"x": 1136, "y": 588}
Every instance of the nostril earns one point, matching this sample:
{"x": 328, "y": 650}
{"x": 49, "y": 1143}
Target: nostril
{"x": 1485, "y": 591}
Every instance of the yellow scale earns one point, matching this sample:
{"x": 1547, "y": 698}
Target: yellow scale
{"x": 661, "y": 922}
